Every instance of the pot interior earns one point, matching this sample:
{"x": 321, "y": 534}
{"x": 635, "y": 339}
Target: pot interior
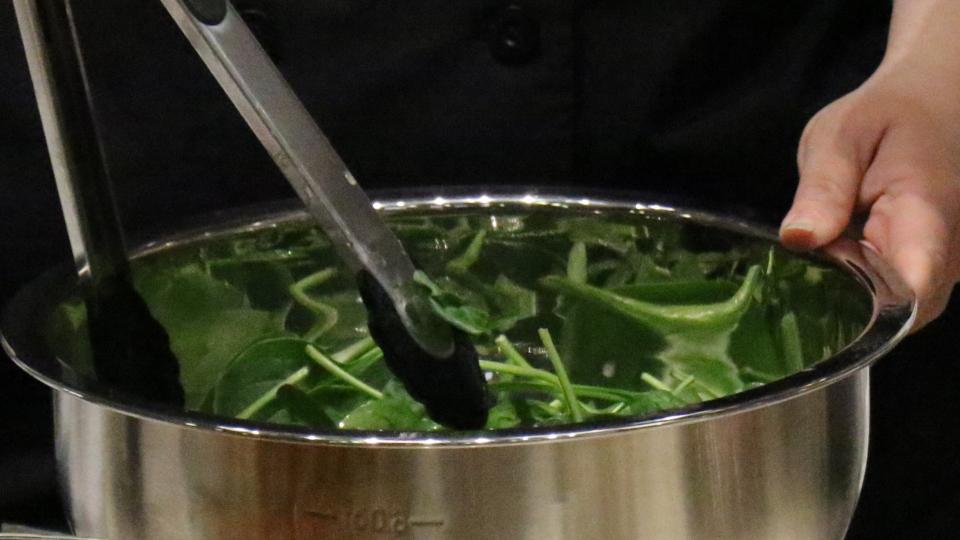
{"x": 240, "y": 300}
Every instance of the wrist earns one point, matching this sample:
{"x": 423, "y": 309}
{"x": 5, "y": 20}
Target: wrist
{"x": 924, "y": 40}
{"x": 922, "y": 61}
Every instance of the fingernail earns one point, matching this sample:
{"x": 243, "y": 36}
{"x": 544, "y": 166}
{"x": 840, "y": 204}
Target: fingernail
{"x": 797, "y": 235}
{"x": 798, "y": 225}
{"x": 869, "y": 245}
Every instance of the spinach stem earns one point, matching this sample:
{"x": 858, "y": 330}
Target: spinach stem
{"x": 356, "y": 367}
{"x": 759, "y": 375}
{"x": 591, "y": 392}
{"x": 710, "y": 392}
{"x": 271, "y": 394}
{"x": 365, "y": 361}
{"x": 790, "y": 335}
{"x": 610, "y": 409}
{"x": 547, "y": 408}
{"x": 422, "y": 278}
{"x": 683, "y": 384}
{"x": 510, "y": 369}
{"x": 328, "y": 315}
{"x": 656, "y": 383}
{"x": 349, "y": 353}
{"x": 568, "y": 393}
{"x": 577, "y": 263}
{"x": 353, "y": 351}
{"x": 331, "y": 366}
{"x": 461, "y": 264}
{"x": 511, "y": 353}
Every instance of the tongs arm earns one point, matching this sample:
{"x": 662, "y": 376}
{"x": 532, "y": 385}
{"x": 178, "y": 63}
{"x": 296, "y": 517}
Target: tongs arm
{"x": 438, "y": 366}
{"x": 301, "y": 150}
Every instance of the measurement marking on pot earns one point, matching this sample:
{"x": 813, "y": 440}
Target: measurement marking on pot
{"x": 376, "y": 520}
{"x": 426, "y": 522}
{"x": 323, "y": 515}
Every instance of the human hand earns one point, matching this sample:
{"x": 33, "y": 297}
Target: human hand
{"x": 891, "y": 151}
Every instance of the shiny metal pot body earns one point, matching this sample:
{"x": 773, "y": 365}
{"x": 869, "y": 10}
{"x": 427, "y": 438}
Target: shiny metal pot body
{"x": 792, "y": 470}
{"x": 783, "y": 461}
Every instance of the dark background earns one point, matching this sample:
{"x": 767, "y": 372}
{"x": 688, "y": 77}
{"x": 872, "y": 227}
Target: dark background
{"x": 698, "y": 102}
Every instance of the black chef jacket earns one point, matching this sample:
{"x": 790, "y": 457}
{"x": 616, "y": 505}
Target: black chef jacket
{"x": 701, "y": 101}
{"x": 681, "y": 96}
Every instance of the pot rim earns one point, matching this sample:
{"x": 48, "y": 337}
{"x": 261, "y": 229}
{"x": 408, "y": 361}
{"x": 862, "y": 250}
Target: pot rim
{"x": 894, "y": 310}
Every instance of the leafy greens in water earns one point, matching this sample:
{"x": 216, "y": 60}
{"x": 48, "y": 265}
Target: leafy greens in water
{"x": 606, "y": 315}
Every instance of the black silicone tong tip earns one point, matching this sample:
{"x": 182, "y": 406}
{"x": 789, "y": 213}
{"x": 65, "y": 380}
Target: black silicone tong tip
{"x": 131, "y": 350}
{"x": 452, "y": 389}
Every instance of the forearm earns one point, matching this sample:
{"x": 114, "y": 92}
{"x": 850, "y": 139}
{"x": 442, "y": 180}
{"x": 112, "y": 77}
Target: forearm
{"x": 925, "y": 42}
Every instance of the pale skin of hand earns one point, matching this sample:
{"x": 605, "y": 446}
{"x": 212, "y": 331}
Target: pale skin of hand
{"x": 890, "y": 150}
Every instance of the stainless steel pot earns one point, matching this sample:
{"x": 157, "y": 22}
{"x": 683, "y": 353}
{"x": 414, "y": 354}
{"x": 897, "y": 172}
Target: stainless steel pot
{"x": 784, "y": 461}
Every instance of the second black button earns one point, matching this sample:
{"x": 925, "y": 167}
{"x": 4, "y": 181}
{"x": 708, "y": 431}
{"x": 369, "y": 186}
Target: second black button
{"x": 513, "y": 35}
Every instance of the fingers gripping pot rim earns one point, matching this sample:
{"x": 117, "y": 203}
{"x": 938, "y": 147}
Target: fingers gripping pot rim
{"x": 784, "y": 460}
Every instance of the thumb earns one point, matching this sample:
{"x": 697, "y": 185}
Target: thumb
{"x": 912, "y": 230}
{"x": 834, "y": 153}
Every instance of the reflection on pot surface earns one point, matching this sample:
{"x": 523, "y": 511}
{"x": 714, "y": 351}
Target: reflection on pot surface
{"x": 658, "y": 374}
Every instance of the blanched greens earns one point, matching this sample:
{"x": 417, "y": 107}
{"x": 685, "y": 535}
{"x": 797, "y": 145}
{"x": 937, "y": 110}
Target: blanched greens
{"x": 575, "y": 317}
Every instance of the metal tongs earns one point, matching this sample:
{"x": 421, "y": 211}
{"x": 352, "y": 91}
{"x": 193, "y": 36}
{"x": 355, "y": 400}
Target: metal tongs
{"x": 436, "y": 363}
{"x": 131, "y": 352}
